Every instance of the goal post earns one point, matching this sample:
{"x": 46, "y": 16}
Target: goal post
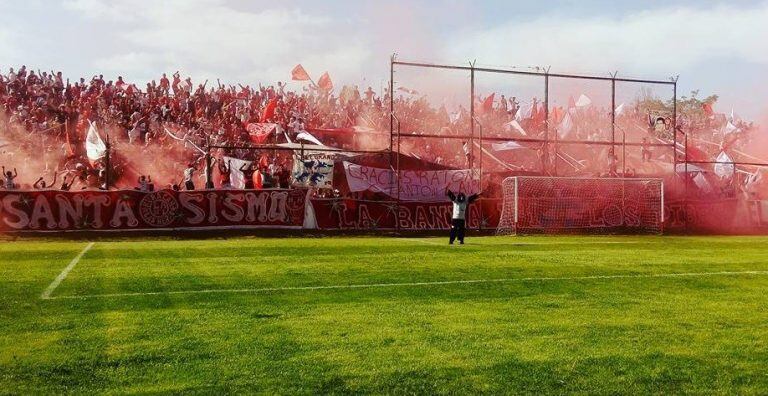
{"x": 537, "y": 204}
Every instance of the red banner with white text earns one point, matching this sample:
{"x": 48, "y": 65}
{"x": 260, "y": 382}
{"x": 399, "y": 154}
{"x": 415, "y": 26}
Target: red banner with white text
{"x": 133, "y": 210}
{"x": 350, "y": 214}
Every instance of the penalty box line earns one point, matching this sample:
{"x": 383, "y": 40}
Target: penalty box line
{"x": 414, "y": 284}
{"x": 56, "y": 282}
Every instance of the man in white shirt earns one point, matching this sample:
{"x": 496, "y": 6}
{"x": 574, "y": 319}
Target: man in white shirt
{"x": 458, "y": 224}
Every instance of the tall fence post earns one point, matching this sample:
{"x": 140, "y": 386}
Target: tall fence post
{"x": 396, "y": 169}
{"x": 472, "y": 121}
{"x": 674, "y": 151}
{"x": 613, "y": 123}
{"x": 545, "y": 155}
{"x": 209, "y": 165}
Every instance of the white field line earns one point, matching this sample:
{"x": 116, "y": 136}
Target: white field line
{"x": 56, "y": 282}
{"x": 433, "y": 241}
{"x": 427, "y": 241}
{"x": 416, "y": 284}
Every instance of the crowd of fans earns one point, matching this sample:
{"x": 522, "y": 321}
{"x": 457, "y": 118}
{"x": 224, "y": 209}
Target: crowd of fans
{"x": 45, "y": 118}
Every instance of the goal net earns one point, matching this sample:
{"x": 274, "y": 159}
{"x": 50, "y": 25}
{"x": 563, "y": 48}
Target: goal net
{"x": 534, "y": 204}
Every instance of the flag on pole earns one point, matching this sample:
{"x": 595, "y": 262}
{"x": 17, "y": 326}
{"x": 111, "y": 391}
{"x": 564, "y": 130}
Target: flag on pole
{"x": 619, "y": 110}
{"x": 557, "y": 114}
{"x": 94, "y": 146}
{"x": 299, "y": 74}
{"x": 269, "y": 110}
{"x": 724, "y": 167}
{"x": 571, "y": 103}
{"x": 517, "y": 127}
{"x": 583, "y": 101}
{"x": 487, "y": 105}
{"x": 259, "y": 132}
{"x": 236, "y": 178}
{"x": 566, "y": 126}
{"x": 308, "y": 137}
{"x": 527, "y": 114}
{"x": 325, "y": 82}
{"x": 702, "y": 182}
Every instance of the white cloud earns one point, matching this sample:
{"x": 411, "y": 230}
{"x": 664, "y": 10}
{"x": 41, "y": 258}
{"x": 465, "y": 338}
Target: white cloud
{"x": 658, "y": 42}
{"x": 209, "y": 39}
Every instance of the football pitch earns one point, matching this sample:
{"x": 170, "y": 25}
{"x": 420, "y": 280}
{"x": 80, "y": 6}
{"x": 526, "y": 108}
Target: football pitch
{"x": 611, "y": 314}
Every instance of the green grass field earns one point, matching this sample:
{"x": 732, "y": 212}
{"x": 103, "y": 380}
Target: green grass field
{"x": 386, "y": 315}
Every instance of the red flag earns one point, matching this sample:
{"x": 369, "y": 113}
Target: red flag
{"x": 299, "y": 74}
{"x": 269, "y": 111}
{"x": 571, "y": 103}
{"x": 707, "y": 107}
{"x": 541, "y": 114}
{"x": 557, "y": 114}
{"x": 257, "y": 182}
{"x": 259, "y": 132}
{"x": 487, "y": 105}
{"x": 696, "y": 154}
{"x": 263, "y": 162}
{"x": 325, "y": 82}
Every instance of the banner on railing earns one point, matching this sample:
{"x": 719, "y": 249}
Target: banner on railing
{"x": 350, "y": 214}
{"x": 414, "y": 185}
{"x": 313, "y": 168}
{"x": 165, "y": 209}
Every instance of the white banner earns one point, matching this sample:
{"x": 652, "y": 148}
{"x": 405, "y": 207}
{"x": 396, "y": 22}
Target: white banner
{"x": 415, "y": 185}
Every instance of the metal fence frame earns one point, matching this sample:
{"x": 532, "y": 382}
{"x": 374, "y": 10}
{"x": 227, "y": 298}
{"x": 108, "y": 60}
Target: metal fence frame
{"x": 548, "y": 142}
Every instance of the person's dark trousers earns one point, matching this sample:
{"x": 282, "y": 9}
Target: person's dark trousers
{"x": 457, "y": 230}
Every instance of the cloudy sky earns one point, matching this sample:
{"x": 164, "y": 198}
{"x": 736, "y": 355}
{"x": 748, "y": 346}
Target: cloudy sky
{"x": 718, "y": 47}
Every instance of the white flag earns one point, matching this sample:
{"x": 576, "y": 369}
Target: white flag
{"x": 525, "y": 114}
{"x": 308, "y": 137}
{"x": 236, "y": 178}
{"x": 724, "y": 166}
{"x": 510, "y": 145}
{"x": 583, "y": 101}
{"x": 734, "y": 116}
{"x": 702, "y": 182}
{"x": 517, "y": 127}
{"x": 619, "y": 110}
{"x": 566, "y": 126}
{"x": 730, "y": 128}
{"x": 94, "y": 146}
